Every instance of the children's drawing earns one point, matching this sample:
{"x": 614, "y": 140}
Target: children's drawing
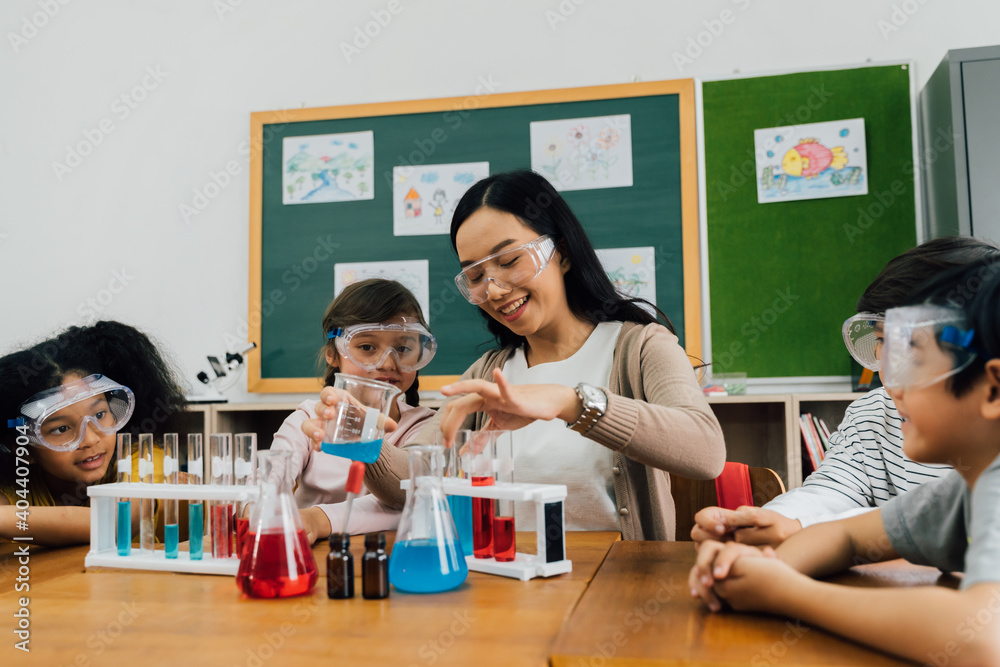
{"x": 424, "y": 197}
{"x": 631, "y": 270}
{"x": 811, "y": 161}
{"x": 412, "y": 273}
{"x": 328, "y": 168}
{"x": 583, "y": 153}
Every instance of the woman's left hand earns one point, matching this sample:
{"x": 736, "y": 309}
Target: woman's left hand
{"x": 508, "y": 406}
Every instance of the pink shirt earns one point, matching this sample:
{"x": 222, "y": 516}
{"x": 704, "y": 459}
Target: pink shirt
{"x": 321, "y": 477}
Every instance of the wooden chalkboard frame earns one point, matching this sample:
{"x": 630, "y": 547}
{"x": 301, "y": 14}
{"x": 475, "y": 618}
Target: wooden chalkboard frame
{"x": 684, "y": 89}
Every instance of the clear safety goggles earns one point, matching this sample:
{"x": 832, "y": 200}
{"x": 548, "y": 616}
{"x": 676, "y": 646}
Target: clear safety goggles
{"x": 863, "y": 337}
{"x": 505, "y": 269}
{"x": 58, "y": 418}
{"x": 369, "y": 345}
{"x": 923, "y": 345}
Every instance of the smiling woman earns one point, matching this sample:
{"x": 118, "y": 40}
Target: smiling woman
{"x": 571, "y": 351}
{"x": 70, "y": 409}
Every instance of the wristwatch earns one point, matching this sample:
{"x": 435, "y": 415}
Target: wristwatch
{"x": 595, "y": 403}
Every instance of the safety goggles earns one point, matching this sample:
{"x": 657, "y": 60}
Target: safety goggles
{"x": 506, "y": 269}
{"x": 863, "y": 337}
{"x": 58, "y": 418}
{"x": 923, "y": 345}
{"x": 369, "y": 345}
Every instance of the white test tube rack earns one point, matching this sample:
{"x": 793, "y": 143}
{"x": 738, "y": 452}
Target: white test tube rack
{"x": 104, "y": 551}
{"x": 550, "y": 527}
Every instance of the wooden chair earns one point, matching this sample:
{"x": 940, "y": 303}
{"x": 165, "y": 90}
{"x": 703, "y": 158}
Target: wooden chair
{"x": 691, "y": 495}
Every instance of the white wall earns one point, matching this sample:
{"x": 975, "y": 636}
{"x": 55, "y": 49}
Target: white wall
{"x": 63, "y": 236}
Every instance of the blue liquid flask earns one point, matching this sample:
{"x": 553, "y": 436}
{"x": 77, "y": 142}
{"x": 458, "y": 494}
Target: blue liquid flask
{"x": 124, "y": 527}
{"x": 427, "y": 556}
{"x": 196, "y": 529}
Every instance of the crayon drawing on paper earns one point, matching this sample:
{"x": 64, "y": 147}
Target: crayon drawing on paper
{"x": 424, "y": 197}
{"x": 811, "y": 161}
{"x": 583, "y": 153}
{"x": 412, "y": 273}
{"x": 632, "y": 271}
{"x": 328, "y": 168}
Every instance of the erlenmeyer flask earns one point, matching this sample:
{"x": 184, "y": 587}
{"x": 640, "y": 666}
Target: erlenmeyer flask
{"x": 277, "y": 559}
{"x": 427, "y": 555}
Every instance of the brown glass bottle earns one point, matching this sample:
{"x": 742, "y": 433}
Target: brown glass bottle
{"x": 340, "y": 568}
{"x": 375, "y": 568}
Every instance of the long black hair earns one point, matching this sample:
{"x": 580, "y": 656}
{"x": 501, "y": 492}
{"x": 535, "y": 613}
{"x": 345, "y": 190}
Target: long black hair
{"x": 116, "y": 350}
{"x": 975, "y": 290}
{"x": 367, "y": 302}
{"x": 532, "y": 200}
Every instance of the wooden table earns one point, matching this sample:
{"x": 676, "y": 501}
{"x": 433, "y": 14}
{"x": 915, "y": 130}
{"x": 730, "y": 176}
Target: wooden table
{"x": 135, "y": 617}
{"x": 638, "y": 610}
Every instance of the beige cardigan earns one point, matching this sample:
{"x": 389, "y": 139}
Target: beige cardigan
{"x": 657, "y": 422}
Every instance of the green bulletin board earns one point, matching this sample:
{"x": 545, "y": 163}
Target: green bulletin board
{"x": 294, "y": 248}
{"x": 784, "y": 276}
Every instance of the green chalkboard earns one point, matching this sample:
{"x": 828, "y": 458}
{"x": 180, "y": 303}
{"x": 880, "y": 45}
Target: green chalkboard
{"x": 295, "y": 248}
{"x": 784, "y": 276}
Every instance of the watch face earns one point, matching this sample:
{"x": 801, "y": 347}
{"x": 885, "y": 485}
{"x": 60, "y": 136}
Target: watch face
{"x": 595, "y": 397}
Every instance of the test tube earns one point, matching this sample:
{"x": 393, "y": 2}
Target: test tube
{"x": 244, "y": 467}
{"x": 459, "y": 458}
{"x": 124, "y": 504}
{"x": 503, "y": 521}
{"x": 146, "y": 524}
{"x": 171, "y": 506}
{"x": 196, "y": 508}
{"x": 481, "y": 451}
{"x": 220, "y": 448}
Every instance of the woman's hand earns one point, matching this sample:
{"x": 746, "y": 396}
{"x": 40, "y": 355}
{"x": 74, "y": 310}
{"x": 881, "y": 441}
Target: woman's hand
{"x": 507, "y": 406}
{"x": 325, "y": 409}
{"x": 715, "y": 565}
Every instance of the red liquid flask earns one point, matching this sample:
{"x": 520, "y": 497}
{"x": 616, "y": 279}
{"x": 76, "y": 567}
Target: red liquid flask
{"x": 222, "y": 530}
{"x": 242, "y": 528}
{"x": 276, "y": 560}
{"x": 267, "y": 572}
{"x": 503, "y": 538}
{"x": 482, "y": 521}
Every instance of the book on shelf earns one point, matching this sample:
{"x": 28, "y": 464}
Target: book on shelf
{"x": 809, "y": 441}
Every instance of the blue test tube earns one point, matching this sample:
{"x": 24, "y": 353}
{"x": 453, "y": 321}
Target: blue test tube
{"x": 146, "y": 525}
{"x": 196, "y": 508}
{"x": 171, "y": 506}
{"x": 124, "y": 463}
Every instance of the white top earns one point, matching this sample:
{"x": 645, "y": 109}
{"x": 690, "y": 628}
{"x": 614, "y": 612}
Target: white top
{"x": 546, "y": 452}
{"x": 864, "y": 468}
{"x": 321, "y": 477}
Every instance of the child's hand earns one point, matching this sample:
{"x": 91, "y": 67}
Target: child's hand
{"x": 316, "y": 524}
{"x": 757, "y": 584}
{"x": 749, "y": 525}
{"x": 329, "y": 397}
{"x": 714, "y": 564}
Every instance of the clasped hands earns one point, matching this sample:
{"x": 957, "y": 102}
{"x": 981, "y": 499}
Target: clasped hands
{"x": 507, "y": 406}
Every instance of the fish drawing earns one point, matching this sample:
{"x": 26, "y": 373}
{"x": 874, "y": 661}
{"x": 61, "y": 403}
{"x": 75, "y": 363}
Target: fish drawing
{"x": 810, "y": 158}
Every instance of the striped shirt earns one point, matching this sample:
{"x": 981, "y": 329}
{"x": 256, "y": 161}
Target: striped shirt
{"x": 864, "y": 466}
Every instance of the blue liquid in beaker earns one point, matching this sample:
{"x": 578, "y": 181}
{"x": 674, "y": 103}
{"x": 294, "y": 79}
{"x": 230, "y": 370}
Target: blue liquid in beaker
{"x": 124, "y": 527}
{"x": 196, "y": 529}
{"x": 461, "y": 512}
{"x": 416, "y": 566}
{"x": 366, "y": 452}
{"x": 171, "y": 536}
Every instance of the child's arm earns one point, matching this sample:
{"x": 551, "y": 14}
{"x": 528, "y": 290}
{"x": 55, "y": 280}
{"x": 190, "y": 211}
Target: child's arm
{"x": 47, "y": 526}
{"x": 928, "y": 623}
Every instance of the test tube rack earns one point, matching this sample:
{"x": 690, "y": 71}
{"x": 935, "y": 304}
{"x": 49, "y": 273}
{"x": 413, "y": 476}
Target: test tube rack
{"x": 104, "y": 552}
{"x": 550, "y": 527}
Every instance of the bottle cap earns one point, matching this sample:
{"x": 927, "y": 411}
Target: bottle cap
{"x": 340, "y": 541}
{"x": 375, "y": 541}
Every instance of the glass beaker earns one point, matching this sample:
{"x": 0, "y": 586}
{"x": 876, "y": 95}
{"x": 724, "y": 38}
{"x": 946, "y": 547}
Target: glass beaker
{"x": 427, "y": 556}
{"x": 355, "y": 431}
{"x": 277, "y": 560}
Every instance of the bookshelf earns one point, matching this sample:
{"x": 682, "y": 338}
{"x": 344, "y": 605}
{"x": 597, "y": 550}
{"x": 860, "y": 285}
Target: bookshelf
{"x": 760, "y": 430}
